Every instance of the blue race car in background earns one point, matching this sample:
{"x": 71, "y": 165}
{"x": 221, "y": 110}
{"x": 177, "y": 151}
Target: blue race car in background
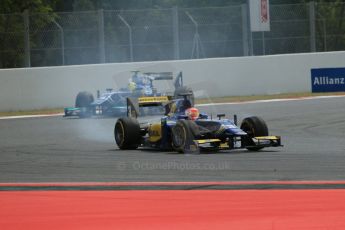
{"x": 184, "y": 129}
{"x": 113, "y": 103}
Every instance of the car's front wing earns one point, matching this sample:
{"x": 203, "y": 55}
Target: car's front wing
{"x": 237, "y": 143}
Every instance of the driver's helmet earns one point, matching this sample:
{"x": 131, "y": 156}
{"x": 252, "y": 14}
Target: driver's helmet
{"x": 132, "y": 85}
{"x": 138, "y": 79}
{"x": 192, "y": 113}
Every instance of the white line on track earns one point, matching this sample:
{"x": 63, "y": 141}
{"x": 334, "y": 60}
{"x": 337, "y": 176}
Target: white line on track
{"x": 199, "y": 105}
{"x": 31, "y": 116}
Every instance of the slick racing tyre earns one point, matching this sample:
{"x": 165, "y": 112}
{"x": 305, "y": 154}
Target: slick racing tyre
{"x": 183, "y": 135}
{"x": 184, "y": 90}
{"x": 83, "y": 99}
{"x": 254, "y": 127}
{"x": 127, "y": 133}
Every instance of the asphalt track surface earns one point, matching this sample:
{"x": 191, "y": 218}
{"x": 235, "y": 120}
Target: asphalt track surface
{"x": 299, "y": 186}
{"x": 57, "y": 149}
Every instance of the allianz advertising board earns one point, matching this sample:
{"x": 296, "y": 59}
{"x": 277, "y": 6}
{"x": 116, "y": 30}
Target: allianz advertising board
{"x": 328, "y": 80}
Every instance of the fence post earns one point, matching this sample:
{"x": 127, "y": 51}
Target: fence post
{"x": 312, "y": 26}
{"x": 101, "y": 36}
{"x": 130, "y": 40}
{"x": 62, "y": 40}
{"x": 176, "y": 37}
{"x": 245, "y": 30}
{"x": 197, "y": 45}
{"x": 27, "y": 61}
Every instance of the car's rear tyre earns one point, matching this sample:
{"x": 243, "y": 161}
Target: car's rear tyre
{"x": 183, "y": 135}
{"x": 254, "y": 127}
{"x": 83, "y": 99}
{"x": 127, "y": 133}
{"x": 184, "y": 90}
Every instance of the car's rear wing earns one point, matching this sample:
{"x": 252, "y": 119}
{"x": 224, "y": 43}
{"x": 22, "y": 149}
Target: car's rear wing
{"x": 133, "y": 104}
{"x": 153, "y": 101}
{"x": 166, "y": 76}
{"x": 160, "y": 75}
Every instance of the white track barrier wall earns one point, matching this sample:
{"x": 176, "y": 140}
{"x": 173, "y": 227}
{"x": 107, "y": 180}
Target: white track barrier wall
{"x": 54, "y": 87}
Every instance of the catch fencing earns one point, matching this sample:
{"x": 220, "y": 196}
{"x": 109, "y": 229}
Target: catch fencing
{"x": 108, "y": 36}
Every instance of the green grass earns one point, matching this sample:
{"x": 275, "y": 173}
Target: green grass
{"x": 198, "y": 101}
{"x": 261, "y": 97}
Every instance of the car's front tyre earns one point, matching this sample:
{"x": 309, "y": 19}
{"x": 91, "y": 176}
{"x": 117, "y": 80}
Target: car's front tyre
{"x": 254, "y": 127}
{"x": 183, "y": 135}
{"x": 83, "y": 99}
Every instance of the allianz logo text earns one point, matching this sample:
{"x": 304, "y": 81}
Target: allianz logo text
{"x": 329, "y": 81}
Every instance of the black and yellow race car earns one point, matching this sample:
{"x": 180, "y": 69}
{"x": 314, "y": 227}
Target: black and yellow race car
{"x": 184, "y": 129}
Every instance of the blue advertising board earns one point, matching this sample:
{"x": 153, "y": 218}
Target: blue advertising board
{"x": 328, "y": 80}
